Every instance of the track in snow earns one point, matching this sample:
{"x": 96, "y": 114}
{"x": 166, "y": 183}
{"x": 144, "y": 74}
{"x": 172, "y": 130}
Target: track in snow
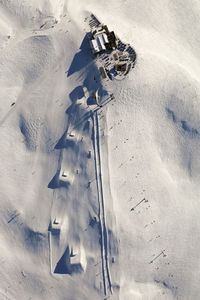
{"x": 103, "y": 230}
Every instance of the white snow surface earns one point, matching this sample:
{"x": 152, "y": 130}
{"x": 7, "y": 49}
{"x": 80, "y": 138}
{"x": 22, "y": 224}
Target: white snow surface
{"x": 148, "y": 139}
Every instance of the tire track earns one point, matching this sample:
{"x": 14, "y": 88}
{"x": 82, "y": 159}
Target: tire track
{"x": 103, "y": 230}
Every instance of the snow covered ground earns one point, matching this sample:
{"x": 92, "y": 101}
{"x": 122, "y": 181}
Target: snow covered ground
{"x": 99, "y": 202}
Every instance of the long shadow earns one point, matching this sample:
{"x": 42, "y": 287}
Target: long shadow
{"x": 77, "y": 93}
{"x": 53, "y": 184}
{"x": 65, "y": 143}
{"x": 90, "y": 101}
{"x": 64, "y": 265}
{"x": 82, "y": 58}
{"x": 61, "y": 142}
{"x": 56, "y": 183}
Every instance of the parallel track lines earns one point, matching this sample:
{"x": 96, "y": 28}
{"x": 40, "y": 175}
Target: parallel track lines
{"x": 103, "y": 230}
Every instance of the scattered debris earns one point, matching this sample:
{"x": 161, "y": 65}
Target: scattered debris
{"x": 143, "y": 200}
{"x": 161, "y": 253}
{"x": 14, "y": 216}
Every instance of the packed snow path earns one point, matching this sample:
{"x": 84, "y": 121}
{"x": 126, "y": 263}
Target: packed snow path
{"x": 103, "y": 230}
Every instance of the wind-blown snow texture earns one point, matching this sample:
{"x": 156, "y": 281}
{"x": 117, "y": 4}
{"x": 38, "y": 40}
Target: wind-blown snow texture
{"x": 99, "y": 203}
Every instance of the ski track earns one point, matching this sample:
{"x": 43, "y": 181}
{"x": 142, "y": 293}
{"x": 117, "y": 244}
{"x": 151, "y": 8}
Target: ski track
{"x": 50, "y": 251}
{"x": 103, "y": 229}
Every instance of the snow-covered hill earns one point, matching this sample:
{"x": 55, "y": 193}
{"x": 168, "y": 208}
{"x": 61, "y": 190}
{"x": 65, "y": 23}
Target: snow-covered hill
{"x": 99, "y": 202}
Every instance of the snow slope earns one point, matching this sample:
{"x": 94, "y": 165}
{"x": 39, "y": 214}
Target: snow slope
{"x": 124, "y": 220}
